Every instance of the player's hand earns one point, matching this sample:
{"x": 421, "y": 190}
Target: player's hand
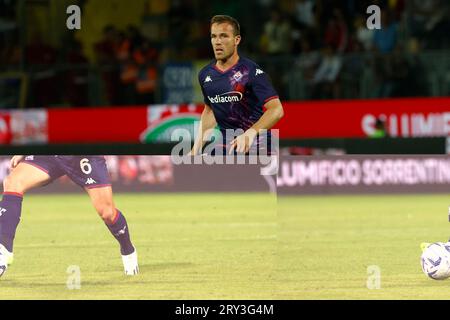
{"x": 243, "y": 142}
{"x": 15, "y": 161}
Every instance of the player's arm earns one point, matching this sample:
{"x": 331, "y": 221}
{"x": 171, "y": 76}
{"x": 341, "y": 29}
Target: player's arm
{"x": 207, "y": 123}
{"x": 15, "y": 160}
{"x": 274, "y": 112}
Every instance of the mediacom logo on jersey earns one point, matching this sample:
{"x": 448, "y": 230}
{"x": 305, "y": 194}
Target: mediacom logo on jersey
{"x": 232, "y": 96}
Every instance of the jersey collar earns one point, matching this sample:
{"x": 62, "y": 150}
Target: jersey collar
{"x": 229, "y": 68}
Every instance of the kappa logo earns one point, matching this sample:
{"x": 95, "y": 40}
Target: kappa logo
{"x": 207, "y": 79}
{"x": 90, "y": 181}
{"x": 2, "y": 211}
{"x": 121, "y": 231}
{"x": 29, "y": 158}
{"x": 258, "y": 71}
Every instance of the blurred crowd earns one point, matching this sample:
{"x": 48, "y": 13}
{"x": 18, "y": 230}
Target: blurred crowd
{"x": 331, "y": 41}
{"x": 134, "y": 82}
{"x": 325, "y": 42}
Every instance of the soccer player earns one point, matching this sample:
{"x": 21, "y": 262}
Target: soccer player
{"x": 235, "y": 91}
{"x": 89, "y": 172}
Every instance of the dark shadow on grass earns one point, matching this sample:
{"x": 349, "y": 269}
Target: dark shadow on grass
{"x": 145, "y": 268}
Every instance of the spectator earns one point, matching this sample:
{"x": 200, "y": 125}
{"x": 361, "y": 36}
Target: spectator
{"x": 76, "y": 79}
{"x": 362, "y": 34}
{"x": 137, "y": 58}
{"x": 398, "y": 8}
{"x": 430, "y": 22}
{"x": 277, "y": 34}
{"x": 354, "y": 66}
{"x": 380, "y": 129}
{"x": 325, "y": 80}
{"x": 134, "y": 37}
{"x": 424, "y": 15}
{"x": 179, "y": 17}
{"x": 308, "y": 60}
{"x": 106, "y": 56}
{"x": 304, "y": 14}
{"x": 408, "y": 74}
{"x": 385, "y": 39}
{"x": 393, "y": 72}
{"x": 400, "y": 73}
{"x": 336, "y": 34}
{"x": 105, "y": 49}
{"x": 417, "y": 77}
{"x": 123, "y": 47}
{"x": 10, "y": 51}
{"x": 145, "y": 58}
{"x": 42, "y": 56}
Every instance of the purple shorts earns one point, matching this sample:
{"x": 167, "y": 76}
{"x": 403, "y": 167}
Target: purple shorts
{"x": 86, "y": 171}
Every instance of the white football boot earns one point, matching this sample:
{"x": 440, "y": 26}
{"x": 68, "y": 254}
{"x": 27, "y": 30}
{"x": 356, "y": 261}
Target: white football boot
{"x": 6, "y": 258}
{"x": 130, "y": 263}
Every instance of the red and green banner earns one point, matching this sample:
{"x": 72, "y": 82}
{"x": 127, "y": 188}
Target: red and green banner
{"x": 162, "y": 120}
{"x": 425, "y": 117}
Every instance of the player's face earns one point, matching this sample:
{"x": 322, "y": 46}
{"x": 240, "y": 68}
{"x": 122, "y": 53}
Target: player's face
{"x": 223, "y": 40}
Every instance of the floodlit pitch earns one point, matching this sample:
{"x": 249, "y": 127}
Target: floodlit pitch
{"x": 231, "y": 246}
{"x": 192, "y": 246}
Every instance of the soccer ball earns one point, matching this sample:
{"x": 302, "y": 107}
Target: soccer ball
{"x": 435, "y": 261}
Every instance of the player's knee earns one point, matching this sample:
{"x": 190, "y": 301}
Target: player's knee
{"x": 107, "y": 213}
{"x": 13, "y": 184}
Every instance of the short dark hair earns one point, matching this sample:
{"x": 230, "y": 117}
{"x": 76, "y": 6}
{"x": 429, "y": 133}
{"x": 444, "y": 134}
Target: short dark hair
{"x": 227, "y": 19}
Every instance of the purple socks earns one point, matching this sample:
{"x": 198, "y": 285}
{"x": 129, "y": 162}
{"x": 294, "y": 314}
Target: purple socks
{"x": 119, "y": 230}
{"x": 10, "y": 210}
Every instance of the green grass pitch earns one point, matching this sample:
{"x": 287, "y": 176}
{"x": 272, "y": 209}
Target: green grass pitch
{"x": 190, "y": 246}
{"x": 327, "y": 243}
{"x": 230, "y": 246}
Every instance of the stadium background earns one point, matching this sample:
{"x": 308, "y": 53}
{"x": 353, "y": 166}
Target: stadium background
{"x": 129, "y": 76}
{"x": 142, "y": 60}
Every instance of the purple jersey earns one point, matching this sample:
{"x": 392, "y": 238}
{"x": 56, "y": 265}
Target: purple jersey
{"x": 237, "y": 95}
{"x": 86, "y": 171}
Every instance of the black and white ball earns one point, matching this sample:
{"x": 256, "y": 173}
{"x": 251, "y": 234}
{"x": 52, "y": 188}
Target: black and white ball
{"x": 435, "y": 261}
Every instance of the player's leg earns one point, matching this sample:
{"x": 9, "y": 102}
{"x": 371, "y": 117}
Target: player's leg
{"x": 21, "y": 179}
{"x": 102, "y": 199}
{"x": 91, "y": 173}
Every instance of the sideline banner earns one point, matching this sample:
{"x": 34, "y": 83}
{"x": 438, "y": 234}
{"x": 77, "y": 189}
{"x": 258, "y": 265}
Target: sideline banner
{"x": 20, "y": 127}
{"x": 177, "y": 83}
{"x": 408, "y": 118}
{"x": 426, "y": 117}
{"x": 363, "y": 174}
{"x": 297, "y": 175}
{"x": 138, "y": 173}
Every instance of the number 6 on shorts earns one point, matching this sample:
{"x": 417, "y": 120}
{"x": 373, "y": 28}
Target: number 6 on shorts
{"x": 85, "y": 166}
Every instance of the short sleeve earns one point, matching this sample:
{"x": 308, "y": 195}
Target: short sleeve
{"x": 205, "y": 99}
{"x": 262, "y": 86}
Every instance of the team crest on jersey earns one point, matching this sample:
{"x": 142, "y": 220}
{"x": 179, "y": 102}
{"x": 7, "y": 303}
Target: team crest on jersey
{"x": 208, "y": 79}
{"x": 237, "y": 76}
